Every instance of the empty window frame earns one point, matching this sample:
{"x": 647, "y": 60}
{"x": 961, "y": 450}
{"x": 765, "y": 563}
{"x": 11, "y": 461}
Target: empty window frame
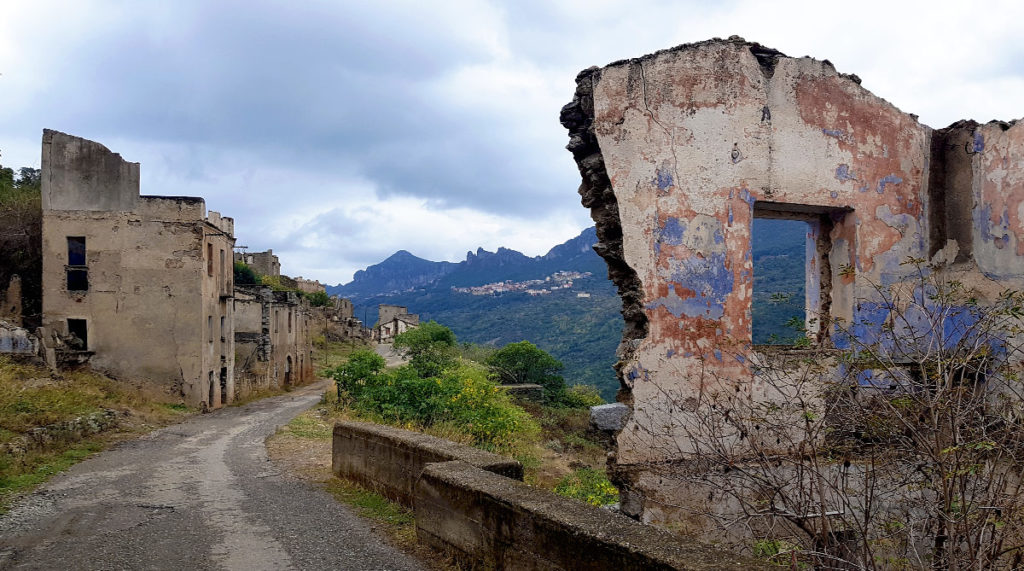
{"x": 209, "y": 260}
{"x": 76, "y": 270}
{"x": 209, "y": 325}
{"x": 782, "y": 312}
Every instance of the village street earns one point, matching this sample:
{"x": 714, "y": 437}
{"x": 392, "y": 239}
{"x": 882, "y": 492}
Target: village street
{"x": 198, "y": 495}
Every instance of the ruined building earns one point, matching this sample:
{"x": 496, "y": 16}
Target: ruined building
{"x": 393, "y": 320}
{"x": 141, "y": 283}
{"x": 273, "y": 339}
{"x": 680, "y": 150}
{"x": 263, "y": 263}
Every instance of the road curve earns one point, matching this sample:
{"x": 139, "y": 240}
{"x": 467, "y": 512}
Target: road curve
{"x": 197, "y": 495}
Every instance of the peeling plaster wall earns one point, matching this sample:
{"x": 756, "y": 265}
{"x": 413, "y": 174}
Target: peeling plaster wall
{"x": 680, "y": 149}
{"x": 150, "y": 294}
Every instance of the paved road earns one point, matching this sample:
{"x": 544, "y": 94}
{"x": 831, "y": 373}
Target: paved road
{"x": 391, "y": 357}
{"x": 197, "y": 495}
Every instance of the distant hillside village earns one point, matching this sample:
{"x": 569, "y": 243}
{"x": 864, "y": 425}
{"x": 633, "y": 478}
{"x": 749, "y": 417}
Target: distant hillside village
{"x": 144, "y": 289}
{"x": 554, "y": 282}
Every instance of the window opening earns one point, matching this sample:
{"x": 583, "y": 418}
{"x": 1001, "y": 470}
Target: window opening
{"x": 78, "y": 330}
{"x": 779, "y": 309}
{"x": 209, "y": 260}
{"x": 209, "y": 325}
{"x": 223, "y": 328}
{"x": 77, "y": 272}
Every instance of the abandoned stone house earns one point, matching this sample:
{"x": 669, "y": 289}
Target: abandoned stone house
{"x": 679, "y": 151}
{"x": 143, "y": 287}
{"x": 273, "y": 338}
{"x": 393, "y": 320}
{"x": 140, "y": 283}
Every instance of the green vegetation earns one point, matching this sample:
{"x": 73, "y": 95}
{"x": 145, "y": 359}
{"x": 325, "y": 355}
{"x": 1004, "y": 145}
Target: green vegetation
{"x": 318, "y": 299}
{"x": 31, "y": 397}
{"x": 21, "y": 235}
{"x": 459, "y": 396}
{"x": 581, "y": 333}
{"x": 588, "y": 485}
{"x": 522, "y": 363}
{"x": 244, "y": 275}
{"x": 431, "y": 348}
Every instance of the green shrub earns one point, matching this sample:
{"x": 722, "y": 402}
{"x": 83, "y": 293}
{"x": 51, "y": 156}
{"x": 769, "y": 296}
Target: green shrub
{"x": 582, "y": 396}
{"x": 430, "y": 348}
{"x": 460, "y": 396}
{"x": 588, "y": 485}
{"x": 244, "y": 275}
{"x": 524, "y": 362}
{"x": 318, "y": 298}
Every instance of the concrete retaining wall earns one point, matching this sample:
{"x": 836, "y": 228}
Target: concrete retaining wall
{"x": 473, "y": 505}
{"x": 390, "y": 460}
{"x": 484, "y": 519}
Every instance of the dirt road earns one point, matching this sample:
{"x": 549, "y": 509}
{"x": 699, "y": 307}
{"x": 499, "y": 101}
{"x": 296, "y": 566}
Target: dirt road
{"x": 197, "y": 495}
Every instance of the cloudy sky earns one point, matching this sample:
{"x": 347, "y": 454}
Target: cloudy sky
{"x": 338, "y": 132}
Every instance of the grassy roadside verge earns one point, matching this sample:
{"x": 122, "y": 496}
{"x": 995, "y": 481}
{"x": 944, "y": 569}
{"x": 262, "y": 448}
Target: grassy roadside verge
{"x": 50, "y": 421}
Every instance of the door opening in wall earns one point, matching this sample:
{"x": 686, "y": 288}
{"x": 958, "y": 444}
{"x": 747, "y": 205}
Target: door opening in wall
{"x": 78, "y": 329}
{"x": 211, "y": 402}
{"x": 288, "y": 370}
{"x": 223, "y": 384}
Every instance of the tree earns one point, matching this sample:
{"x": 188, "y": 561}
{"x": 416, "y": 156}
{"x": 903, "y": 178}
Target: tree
{"x": 21, "y": 237}
{"x": 430, "y": 347}
{"x": 352, "y": 375}
{"x": 525, "y": 363}
{"x": 904, "y": 449}
{"x": 244, "y": 275}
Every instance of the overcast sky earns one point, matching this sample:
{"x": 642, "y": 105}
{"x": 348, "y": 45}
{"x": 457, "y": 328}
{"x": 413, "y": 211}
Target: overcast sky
{"x": 338, "y": 132}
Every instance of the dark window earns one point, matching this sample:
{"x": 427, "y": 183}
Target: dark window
{"x": 209, "y": 325}
{"x": 209, "y": 259}
{"x": 78, "y": 279}
{"x": 79, "y": 328}
{"x": 76, "y": 250}
{"x": 77, "y": 273}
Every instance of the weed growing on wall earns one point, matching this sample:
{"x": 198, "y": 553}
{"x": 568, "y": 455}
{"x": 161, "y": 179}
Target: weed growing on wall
{"x": 588, "y": 485}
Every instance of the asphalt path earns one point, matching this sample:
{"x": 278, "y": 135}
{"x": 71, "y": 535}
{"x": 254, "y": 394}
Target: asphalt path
{"x": 197, "y": 495}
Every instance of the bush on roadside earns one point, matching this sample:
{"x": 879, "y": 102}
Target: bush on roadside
{"x": 460, "y": 396}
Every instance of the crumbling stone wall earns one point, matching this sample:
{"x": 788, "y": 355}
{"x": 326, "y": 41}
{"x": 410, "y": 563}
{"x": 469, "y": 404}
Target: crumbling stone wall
{"x": 270, "y": 353}
{"x": 154, "y": 277}
{"x": 264, "y": 263}
{"x": 679, "y": 151}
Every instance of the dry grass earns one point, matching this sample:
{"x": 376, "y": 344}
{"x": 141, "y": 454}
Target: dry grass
{"x": 32, "y": 397}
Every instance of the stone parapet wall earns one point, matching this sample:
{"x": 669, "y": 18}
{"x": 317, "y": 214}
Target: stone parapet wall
{"x": 473, "y": 505}
{"x": 487, "y": 520}
{"x": 390, "y": 460}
